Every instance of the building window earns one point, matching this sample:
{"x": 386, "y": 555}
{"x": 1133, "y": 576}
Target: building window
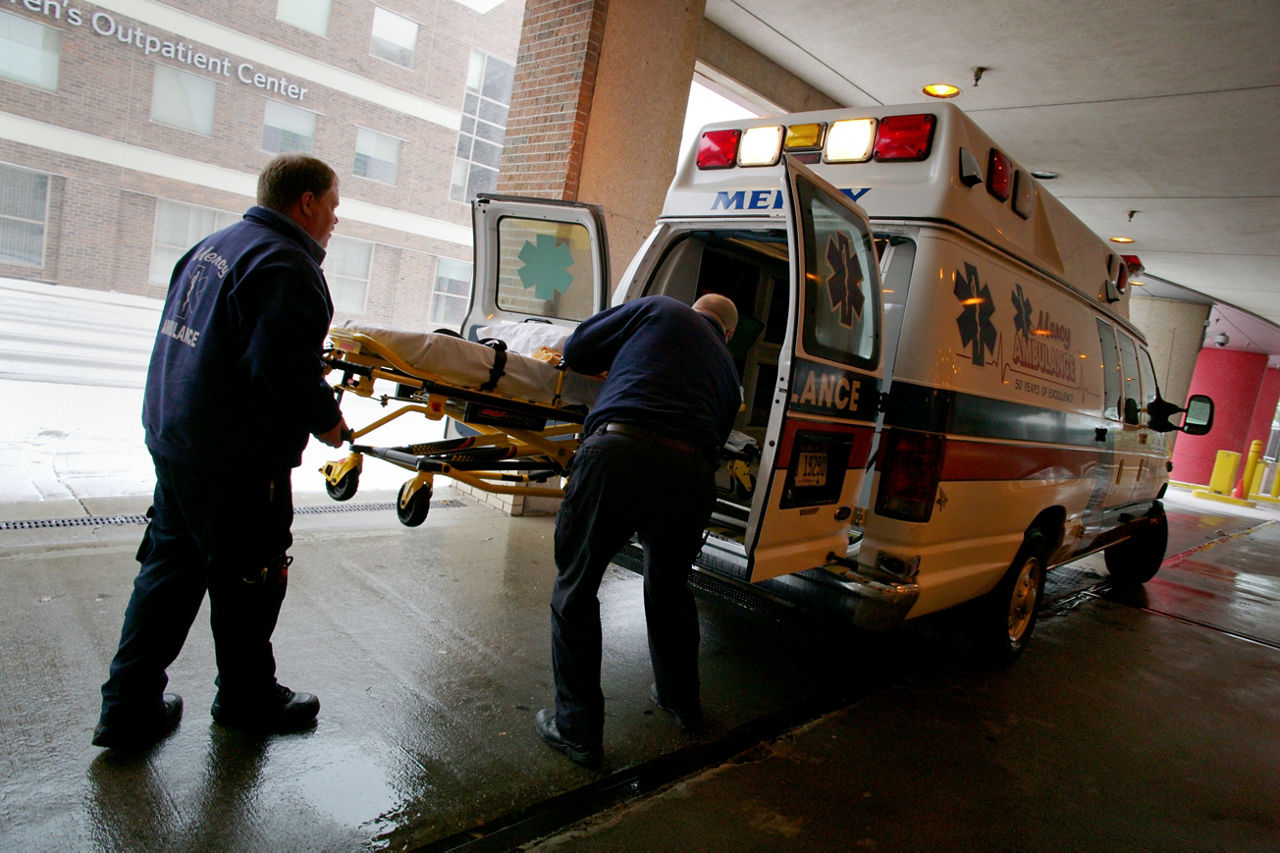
{"x": 179, "y": 227}
{"x": 183, "y": 100}
{"x": 484, "y": 124}
{"x": 451, "y": 294}
{"x": 309, "y": 15}
{"x": 287, "y": 128}
{"x": 346, "y": 269}
{"x": 377, "y": 156}
{"x": 394, "y": 37}
{"x": 29, "y": 52}
{"x": 24, "y": 209}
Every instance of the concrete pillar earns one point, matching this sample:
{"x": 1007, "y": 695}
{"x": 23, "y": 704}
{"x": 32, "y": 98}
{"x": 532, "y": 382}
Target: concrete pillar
{"x": 1234, "y": 379}
{"x": 1174, "y": 331}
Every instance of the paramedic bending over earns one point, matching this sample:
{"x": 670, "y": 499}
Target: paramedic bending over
{"x": 647, "y": 467}
{"x": 235, "y": 386}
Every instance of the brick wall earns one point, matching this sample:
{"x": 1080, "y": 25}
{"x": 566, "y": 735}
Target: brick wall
{"x": 554, "y": 82}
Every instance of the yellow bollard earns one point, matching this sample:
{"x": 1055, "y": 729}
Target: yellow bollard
{"x": 1255, "y": 453}
{"x": 1223, "y": 478}
{"x": 1275, "y": 483}
{"x": 1255, "y": 485}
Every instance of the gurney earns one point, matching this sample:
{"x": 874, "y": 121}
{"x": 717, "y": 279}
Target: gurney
{"x": 526, "y": 413}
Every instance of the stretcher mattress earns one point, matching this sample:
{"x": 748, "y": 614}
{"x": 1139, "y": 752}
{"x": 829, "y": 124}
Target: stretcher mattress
{"x": 467, "y": 364}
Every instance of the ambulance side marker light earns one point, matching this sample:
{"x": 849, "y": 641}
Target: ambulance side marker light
{"x": 1134, "y": 264}
{"x": 760, "y": 146}
{"x": 1023, "y": 193}
{"x": 851, "y": 140}
{"x": 718, "y": 149}
{"x": 970, "y": 170}
{"x": 907, "y": 137}
{"x": 999, "y": 175}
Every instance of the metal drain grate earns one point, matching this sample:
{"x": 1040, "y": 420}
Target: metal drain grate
{"x": 117, "y": 520}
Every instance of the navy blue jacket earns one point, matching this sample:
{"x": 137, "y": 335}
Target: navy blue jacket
{"x": 236, "y": 366}
{"x": 669, "y": 370}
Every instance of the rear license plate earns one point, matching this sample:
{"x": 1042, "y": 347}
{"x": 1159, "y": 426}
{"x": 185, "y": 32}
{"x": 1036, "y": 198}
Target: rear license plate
{"x": 812, "y": 469}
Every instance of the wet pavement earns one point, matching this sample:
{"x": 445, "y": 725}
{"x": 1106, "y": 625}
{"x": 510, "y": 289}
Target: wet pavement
{"x": 1145, "y": 719}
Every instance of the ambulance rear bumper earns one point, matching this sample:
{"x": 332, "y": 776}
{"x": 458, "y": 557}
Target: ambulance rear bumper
{"x": 870, "y": 603}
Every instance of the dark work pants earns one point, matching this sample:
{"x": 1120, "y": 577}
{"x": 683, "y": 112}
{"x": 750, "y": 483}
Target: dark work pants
{"x": 213, "y": 529}
{"x": 621, "y": 485}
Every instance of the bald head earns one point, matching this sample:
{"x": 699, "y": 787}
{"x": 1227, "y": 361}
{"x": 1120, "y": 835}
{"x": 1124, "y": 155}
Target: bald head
{"x": 721, "y": 309}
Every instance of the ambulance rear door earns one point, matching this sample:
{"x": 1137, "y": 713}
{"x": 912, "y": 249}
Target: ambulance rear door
{"x": 825, "y": 405}
{"x": 536, "y": 261}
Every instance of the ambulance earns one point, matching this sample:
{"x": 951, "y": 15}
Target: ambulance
{"x": 943, "y": 396}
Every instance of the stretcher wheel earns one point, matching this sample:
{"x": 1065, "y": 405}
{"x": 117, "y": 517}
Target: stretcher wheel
{"x": 345, "y": 488}
{"x": 413, "y": 511}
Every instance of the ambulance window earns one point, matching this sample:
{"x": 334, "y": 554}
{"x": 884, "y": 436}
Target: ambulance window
{"x": 1132, "y": 382}
{"x": 841, "y": 305}
{"x": 1150, "y": 392}
{"x": 1110, "y": 368}
{"x": 545, "y": 269}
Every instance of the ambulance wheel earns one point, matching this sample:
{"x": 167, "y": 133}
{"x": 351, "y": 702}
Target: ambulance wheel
{"x": 1006, "y": 616}
{"x": 413, "y": 511}
{"x": 345, "y": 488}
{"x": 1137, "y": 559}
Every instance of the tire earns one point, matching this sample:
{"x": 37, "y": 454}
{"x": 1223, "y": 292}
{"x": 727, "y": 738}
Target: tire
{"x": 1007, "y": 615}
{"x": 1136, "y": 560}
{"x": 413, "y": 511}
{"x": 345, "y": 488}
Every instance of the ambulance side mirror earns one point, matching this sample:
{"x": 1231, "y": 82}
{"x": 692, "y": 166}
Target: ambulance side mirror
{"x": 1197, "y": 420}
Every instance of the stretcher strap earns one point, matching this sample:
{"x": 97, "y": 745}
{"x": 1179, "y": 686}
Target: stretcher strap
{"x": 499, "y": 362}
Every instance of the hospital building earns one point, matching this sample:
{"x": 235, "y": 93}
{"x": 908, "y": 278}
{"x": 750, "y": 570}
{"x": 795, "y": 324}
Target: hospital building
{"x": 129, "y": 129}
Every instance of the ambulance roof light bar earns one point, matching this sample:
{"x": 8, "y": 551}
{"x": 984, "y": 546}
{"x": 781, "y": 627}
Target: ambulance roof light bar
{"x": 892, "y": 138}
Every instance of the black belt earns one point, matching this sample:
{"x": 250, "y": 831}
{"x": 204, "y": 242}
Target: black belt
{"x": 642, "y": 434}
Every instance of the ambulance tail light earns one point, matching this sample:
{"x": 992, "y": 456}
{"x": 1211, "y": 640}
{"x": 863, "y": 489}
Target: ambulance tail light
{"x": 718, "y": 149}
{"x": 904, "y": 137}
{"x": 910, "y": 470}
{"x": 999, "y": 175}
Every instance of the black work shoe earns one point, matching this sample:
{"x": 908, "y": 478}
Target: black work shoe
{"x": 688, "y": 719}
{"x": 282, "y": 711}
{"x": 139, "y": 734}
{"x": 545, "y": 722}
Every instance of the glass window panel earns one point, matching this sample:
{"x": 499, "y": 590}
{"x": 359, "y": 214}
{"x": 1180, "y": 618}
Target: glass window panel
{"x": 377, "y": 156}
{"x": 21, "y": 242}
{"x": 470, "y": 104}
{"x": 464, "y": 146}
{"x": 346, "y": 269}
{"x": 451, "y": 294}
{"x": 493, "y": 112}
{"x": 183, "y": 100}
{"x": 29, "y": 52}
{"x": 1110, "y": 371}
{"x": 310, "y": 15}
{"x": 545, "y": 268}
{"x": 178, "y": 227}
{"x": 486, "y": 154}
{"x": 394, "y": 37}
{"x": 458, "y": 186}
{"x": 491, "y": 133}
{"x": 498, "y": 79}
{"x": 23, "y": 194}
{"x": 480, "y": 180}
{"x": 841, "y": 307}
{"x": 468, "y": 125}
{"x": 1131, "y": 381}
{"x": 287, "y": 128}
{"x": 475, "y": 72}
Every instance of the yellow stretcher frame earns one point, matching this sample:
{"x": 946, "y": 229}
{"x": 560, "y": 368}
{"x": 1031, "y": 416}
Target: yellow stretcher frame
{"x": 523, "y": 457}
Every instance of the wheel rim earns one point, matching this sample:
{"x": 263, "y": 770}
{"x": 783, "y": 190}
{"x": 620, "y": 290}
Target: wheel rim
{"x": 1022, "y": 601}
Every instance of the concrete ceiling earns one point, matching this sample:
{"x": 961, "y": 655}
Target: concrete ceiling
{"x": 1170, "y": 108}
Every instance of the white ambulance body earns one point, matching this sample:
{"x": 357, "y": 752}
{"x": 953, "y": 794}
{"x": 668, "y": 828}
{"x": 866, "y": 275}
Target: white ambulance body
{"x": 942, "y": 389}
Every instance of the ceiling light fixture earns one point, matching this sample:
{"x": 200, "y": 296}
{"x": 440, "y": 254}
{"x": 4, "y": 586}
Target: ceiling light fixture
{"x": 1125, "y": 240}
{"x": 941, "y": 90}
{"x": 1044, "y": 174}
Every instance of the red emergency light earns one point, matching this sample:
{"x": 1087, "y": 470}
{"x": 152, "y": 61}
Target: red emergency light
{"x": 999, "y": 175}
{"x": 1135, "y": 266}
{"x": 907, "y": 137}
{"x": 718, "y": 149}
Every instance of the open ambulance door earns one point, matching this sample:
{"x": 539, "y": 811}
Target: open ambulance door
{"x": 819, "y": 437}
{"x": 536, "y": 261}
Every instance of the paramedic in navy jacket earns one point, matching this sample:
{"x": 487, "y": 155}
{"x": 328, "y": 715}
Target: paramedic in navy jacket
{"x": 234, "y": 388}
{"x": 646, "y": 467}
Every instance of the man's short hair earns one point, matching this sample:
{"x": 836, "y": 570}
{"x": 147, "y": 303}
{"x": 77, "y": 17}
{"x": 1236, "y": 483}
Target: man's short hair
{"x": 288, "y": 176}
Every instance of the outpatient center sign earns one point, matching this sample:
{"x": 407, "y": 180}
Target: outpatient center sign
{"x": 125, "y": 32}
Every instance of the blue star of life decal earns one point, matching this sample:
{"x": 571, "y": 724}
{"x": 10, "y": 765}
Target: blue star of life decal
{"x": 845, "y": 283}
{"x": 976, "y": 328}
{"x": 546, "y": 266}
{"x": 1021, "y": 312}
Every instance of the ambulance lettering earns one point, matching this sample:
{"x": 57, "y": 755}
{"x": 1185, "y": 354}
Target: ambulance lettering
{"x": 824, "y": 390}
{"x": 1042, "y": 351}
{"x": 766, "y": 199}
